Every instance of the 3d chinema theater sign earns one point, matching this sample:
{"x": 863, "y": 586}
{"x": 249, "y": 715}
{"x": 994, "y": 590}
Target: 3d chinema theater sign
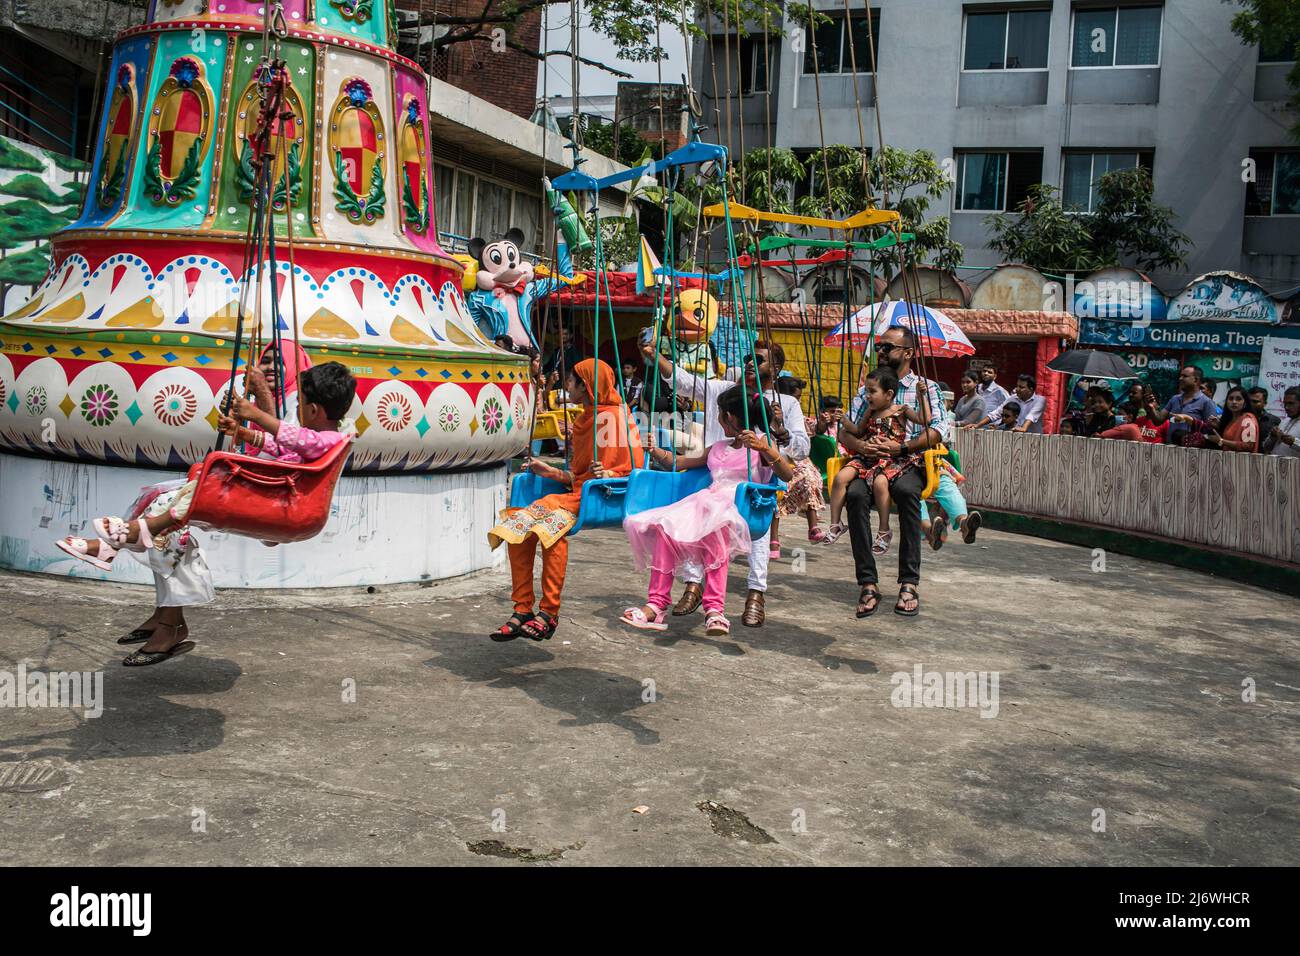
{"x": 1218, "y": 312}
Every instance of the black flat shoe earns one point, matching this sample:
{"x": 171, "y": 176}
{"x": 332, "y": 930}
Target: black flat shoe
{"x": 138, "y": 636}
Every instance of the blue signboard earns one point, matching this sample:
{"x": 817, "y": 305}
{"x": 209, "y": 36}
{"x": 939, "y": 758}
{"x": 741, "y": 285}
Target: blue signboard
{"x": 1182, "y": 336}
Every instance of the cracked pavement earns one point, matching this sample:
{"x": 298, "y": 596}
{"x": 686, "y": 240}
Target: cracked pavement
{"x": 1119, "y": 692}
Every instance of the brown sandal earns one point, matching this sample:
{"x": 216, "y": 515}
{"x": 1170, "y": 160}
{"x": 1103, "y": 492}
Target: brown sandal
{"x": 868, "y": 601}
{"x": 753, "y": 616}
{"x": 690, "y": 600}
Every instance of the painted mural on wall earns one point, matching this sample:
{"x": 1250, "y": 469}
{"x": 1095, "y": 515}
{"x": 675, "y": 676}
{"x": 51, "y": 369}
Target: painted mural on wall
{"x": 40, "y": 193}
{"x": 127, "y": 342}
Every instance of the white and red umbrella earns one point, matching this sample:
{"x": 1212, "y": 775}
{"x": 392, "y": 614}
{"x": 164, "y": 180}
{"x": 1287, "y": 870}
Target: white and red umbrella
{"x": 937, "y": 335}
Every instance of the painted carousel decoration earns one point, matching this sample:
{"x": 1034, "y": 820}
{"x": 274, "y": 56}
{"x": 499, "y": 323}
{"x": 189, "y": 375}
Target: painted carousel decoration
{"x": 415, "y": 186}
{"x": 358, "y": 10}
{"x": 357, "y": 142}
{"x": 122, "y": 108}
{"x": 287, "y": 141}
{"x": 128, "y": 344}
{"x": 182, "y": 129}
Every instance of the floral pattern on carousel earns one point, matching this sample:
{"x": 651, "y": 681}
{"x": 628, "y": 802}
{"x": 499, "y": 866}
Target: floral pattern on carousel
{"x": 492, "y": 415}
{"x": 36, "y": 401}
{"x": 99, "y": 405}
{"x": 449, "y": 418}
{"x": 394, "y": 413}
{"x": 175, "y": 405}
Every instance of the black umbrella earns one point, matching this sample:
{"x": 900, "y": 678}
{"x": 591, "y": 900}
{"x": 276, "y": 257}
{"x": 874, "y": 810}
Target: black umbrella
{"x": 1091, "y": 363}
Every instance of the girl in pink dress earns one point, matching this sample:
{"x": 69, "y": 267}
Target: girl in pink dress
{"x": 704, "y": 526}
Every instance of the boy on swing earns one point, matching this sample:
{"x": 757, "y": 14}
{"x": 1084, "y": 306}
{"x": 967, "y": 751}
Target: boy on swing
{"x": 327, "y": 392}
{"x": 159, "y": 535}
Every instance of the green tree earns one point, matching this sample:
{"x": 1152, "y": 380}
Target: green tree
{"x": 1126, "y": 227}
{"x": 900, "y": 180}
{"x": 1274, "y": 25}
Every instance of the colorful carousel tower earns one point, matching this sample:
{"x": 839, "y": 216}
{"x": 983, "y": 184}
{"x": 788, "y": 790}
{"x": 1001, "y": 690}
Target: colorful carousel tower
{"x": 116, "y": 368}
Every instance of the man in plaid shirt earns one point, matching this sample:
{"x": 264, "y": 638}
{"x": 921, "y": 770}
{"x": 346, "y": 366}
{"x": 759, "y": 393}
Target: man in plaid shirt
{"x": 897, "y": 349}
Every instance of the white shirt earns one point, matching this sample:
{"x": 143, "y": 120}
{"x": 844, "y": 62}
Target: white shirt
{"x": 995, "y": 396}
{"x": 1289, "y": 426}
{"x": 1031, "y": 410}
{"x": 705, "y": 391}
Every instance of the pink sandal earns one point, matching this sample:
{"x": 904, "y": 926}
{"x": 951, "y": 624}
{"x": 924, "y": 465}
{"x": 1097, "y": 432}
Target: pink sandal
{"x": 113, "y": 531}
{"x": 79, "y": 548}
{"x": 716, "y": 625}
{"x": 816, "y": 535}
{"x": 637, "y": 618}
{"x": 775, "y": 551}
{"x": 834, "y": 533}
{"x": 882, "y": 542}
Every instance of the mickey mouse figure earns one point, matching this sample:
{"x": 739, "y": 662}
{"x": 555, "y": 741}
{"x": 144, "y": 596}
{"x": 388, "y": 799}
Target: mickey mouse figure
{"x": 506, "y": 289}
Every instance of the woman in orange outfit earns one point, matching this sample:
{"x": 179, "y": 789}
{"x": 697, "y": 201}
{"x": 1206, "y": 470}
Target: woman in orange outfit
{"x": 605, "y": 444}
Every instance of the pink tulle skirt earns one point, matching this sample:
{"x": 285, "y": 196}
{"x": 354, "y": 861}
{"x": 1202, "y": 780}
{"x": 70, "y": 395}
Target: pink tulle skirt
{"x": 703, "y": 528}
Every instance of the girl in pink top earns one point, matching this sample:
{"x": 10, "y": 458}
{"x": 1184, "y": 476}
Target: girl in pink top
{"x": 704, "y": 527}
{"x": 327, "y": 392}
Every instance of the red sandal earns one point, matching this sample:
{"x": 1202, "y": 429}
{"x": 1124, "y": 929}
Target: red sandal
{"x": 513, "y": 627}
{"x": 541, "y": 627}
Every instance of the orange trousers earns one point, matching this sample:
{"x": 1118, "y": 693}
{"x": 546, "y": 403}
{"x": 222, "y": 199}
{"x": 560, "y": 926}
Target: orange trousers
{"x": 555, "y": 560}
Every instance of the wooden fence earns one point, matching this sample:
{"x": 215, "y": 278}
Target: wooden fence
{"x": 1249, "y": 504}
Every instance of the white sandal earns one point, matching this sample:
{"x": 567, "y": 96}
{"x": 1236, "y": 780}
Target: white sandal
{"x": 637, "y": 618}
{"x": 79, "y": 548}
{"x": 716, "y": 625}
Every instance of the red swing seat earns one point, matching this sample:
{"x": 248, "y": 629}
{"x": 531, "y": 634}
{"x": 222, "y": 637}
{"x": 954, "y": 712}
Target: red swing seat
{"x": 261, "y": 498}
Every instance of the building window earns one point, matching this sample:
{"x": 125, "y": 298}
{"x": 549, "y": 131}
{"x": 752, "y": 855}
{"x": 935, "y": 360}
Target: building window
{"x": 1276, "y": 189}
{"x": 749, "y": 67}
{"x": 996, "y": 182}
{"x": 444, "y": 197}
{"x": 1082, "y": 170}
{"x": 1007, "y": 40}
{"x": 1116, "y": 36}
{"x": 830, "y": 48}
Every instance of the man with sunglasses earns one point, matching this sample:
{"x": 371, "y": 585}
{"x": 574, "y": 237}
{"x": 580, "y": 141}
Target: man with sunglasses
{"x": 760, "y": 369}
{"x": 896, "y": 348}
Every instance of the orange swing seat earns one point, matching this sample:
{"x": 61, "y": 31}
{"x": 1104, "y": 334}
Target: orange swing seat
{"x": 261, "y": 498}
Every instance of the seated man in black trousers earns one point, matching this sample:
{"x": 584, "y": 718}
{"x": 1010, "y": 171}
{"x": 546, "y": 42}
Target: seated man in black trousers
{"x": 897, "y": 349}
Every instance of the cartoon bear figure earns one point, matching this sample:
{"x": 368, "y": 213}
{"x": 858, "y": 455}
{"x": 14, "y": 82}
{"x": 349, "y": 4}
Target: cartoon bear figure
{"x": 506, "y": 288}
{"x": 696, "y": 319}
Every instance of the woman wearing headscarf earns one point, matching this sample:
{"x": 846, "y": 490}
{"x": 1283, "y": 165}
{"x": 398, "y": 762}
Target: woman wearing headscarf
{"x": 276, "y": 370}
{"x": 605, "y": 444}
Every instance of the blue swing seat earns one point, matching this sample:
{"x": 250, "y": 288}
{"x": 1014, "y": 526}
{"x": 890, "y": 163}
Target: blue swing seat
{"x": 602, "y": 498}
{"x": 757, "y": 505}
{"x": 653, "y": 489}
{"x": 648, "y": 489}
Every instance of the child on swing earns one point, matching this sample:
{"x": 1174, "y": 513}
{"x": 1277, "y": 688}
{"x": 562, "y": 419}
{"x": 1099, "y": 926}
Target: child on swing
{"x": 706, "y": 526}
{"x": 326, "y": 394}
{"x": 883, "y": 419}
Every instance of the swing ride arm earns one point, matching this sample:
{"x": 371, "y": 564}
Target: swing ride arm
{"x": 861, "y": 220}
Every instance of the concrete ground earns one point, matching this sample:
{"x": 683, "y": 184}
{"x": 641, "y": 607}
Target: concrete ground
{"x": 1121, "y": 735}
